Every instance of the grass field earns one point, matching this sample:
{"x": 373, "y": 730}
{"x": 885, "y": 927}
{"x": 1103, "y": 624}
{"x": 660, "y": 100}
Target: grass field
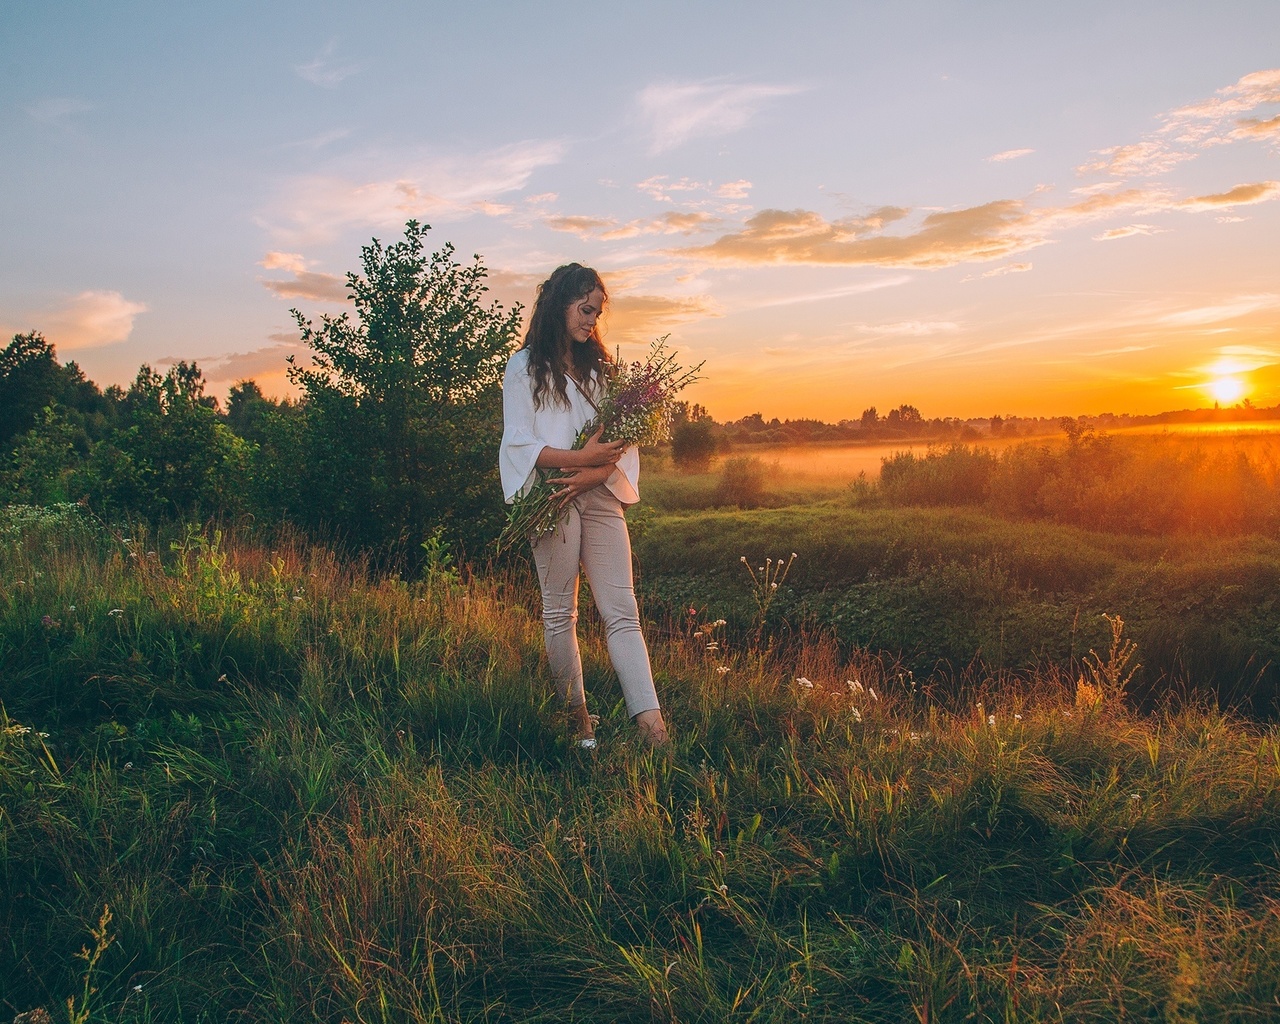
{"x": 988, "y": 559}
{"x": 302, "y": 793}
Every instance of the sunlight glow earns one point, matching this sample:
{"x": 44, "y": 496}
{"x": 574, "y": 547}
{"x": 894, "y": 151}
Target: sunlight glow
{"x": 1226, "y": 390}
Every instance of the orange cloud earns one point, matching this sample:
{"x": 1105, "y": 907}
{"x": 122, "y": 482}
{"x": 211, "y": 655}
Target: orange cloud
{"x": 305, "y": 284}
{"x": 1255, "y": 127}
{"x": 944, "y": 239}
{"x": 1111, "y": 234}
{"x": 309, "y": 285}
{"x": 235, "y": 366}
{"x": 1241, "y": 195}
{"x": 1187, "y": 131}
{"x": 583, "y": 227}
{"x": 992, "y": 231}
{"x": 671, "y": 223}
{"x": 91, "y": 319}
{"x": 641, "y": 318}
{"x": 668, "y": 224}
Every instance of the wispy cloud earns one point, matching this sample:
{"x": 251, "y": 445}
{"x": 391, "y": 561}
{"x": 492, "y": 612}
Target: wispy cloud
{"x": 991, "y": 231}
{"x": 663, "y": 189}
{"x": 1009, "y": 154}
{"x": 910, "y": 328}
{"x": 323, "y": 70}
{"x": 1128, "y": 231}
{"x": 92, "y": 319}
{"x": 1241, "y": 195}
{"x": 1221, "y": 312}
{"x": 1008, "y": 268}
{"x": 304, "y": 284}
{"x": 1185, "y": 132}
{"x": 583, "y": 227}
{"x": 987, "y": 232}
{"x": 448, "y": 187}
{"x": 58, "y": 110}
{"x": 1253, "y": 127}
{"x": 675, "y": 112}
{"x": 641, "y": 318}
{"x": 268, "y": 361}
{"x": 828, "y": 294}
{"x": 608, "y": 229}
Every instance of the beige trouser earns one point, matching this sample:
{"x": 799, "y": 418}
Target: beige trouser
{"x": 593, "y": 535}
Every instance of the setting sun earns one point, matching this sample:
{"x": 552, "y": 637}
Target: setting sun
{"x": 1226, "y": 390}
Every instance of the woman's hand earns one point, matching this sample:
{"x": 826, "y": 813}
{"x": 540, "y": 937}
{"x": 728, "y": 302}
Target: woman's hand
{"x": 601, "y": 453}
{"x": 573, "y": 482}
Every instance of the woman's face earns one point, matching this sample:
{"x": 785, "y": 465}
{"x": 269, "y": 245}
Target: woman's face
{"x": 580, "y": 318}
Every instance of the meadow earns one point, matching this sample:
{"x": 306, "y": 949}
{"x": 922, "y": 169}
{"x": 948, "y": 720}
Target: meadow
{"x": 243, "y": 778}
{"x": 971, "y": 559}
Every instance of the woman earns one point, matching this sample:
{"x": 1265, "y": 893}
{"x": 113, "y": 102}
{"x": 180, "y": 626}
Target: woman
{"x": 551, "y": 388}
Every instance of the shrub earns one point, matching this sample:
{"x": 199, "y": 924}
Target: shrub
{"x": 692, "y": 446}
{"x": 741, "y": 482}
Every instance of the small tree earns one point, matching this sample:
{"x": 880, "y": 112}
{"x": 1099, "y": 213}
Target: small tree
{"x": 693, "y": 443}
{"x": 403, "y": 404}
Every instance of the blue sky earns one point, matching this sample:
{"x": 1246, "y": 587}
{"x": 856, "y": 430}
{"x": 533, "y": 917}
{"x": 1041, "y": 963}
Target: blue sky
{"x": 971, "y": 207}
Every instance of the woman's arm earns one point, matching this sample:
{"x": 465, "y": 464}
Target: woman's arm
{"x": 593, "y": 454}
{"x": 573, "y": 482}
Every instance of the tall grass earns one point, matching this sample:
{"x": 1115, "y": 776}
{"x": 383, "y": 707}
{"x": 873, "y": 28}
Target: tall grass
{"x": 307, "y": 793}
{"x": 943, "y": 588}
{"x": 1157, "y": 485}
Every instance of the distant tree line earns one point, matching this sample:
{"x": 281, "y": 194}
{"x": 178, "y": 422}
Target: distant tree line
{"x": 391, "y": 442}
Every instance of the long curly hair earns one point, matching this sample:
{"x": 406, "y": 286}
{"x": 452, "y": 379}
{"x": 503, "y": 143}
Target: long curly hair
{"x": 545, "y": 338}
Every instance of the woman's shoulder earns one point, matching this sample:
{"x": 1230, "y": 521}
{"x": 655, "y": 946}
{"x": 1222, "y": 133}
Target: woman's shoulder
{"x": 519, "y": 361}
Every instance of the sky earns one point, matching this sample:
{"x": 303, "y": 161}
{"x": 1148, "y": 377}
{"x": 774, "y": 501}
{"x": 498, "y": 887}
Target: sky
{"x": 975, "y": 208}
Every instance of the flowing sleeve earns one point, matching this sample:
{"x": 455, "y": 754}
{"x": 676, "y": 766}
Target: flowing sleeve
{"x": 518, "y": 457}
{"x": 625, "y": 481}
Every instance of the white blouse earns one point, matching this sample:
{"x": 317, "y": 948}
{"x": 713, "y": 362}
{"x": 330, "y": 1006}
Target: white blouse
{"x": 526, "y": 430}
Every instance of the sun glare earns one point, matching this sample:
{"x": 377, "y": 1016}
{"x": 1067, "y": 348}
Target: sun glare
{"x": 1226, "y": 390}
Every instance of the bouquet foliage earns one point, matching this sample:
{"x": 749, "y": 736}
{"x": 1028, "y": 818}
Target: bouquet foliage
{"x": 636, "y": 408}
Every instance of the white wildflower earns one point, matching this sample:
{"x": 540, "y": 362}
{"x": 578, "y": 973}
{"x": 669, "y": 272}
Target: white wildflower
{"x": 857, "y": 715}
{"x": 802, "y": 681}
{"x": 116, "y": 612}
{"x": 991, "y": 720}
{"x": 855, "y": 686}
{"x": 722, "y": 669}
{"x": 871, "y": 690}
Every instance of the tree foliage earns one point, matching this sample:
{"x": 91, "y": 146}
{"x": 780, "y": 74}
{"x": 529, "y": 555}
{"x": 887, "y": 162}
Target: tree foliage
{"x": 403, "y": 401}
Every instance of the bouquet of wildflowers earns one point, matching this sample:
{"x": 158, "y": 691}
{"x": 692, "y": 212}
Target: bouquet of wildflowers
{"x": 636, "y": 408}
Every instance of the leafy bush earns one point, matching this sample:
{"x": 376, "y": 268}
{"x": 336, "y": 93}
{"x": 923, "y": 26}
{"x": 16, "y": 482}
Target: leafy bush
{"x": 693, "y": 445}
{"x": 741, "y": 482}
